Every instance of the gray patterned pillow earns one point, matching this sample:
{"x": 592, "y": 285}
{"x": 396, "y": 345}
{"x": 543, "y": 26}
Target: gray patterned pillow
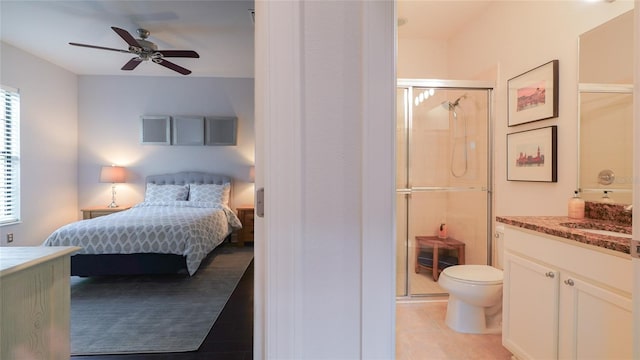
{"x": 218, "y": 194}
{"x": 159, "y": 193}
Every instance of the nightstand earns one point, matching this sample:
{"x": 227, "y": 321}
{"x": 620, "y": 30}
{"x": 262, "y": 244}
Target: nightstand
{"x": 245, "y": 214}
{"x": 94, "y": 212}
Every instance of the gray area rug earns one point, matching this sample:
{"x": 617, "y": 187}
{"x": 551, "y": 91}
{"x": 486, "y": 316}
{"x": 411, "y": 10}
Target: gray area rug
{"x": 151, "y": 314}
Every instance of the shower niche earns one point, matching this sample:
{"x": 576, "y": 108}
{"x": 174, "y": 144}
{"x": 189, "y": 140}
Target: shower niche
{"x": 443, "y": 174}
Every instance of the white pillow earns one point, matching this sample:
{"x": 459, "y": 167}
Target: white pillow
{"x": 215, "y": 193}
{"x": 169, "y": 192}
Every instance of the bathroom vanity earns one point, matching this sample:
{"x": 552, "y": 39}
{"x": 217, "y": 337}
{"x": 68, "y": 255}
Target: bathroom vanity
{"x": 567, "y": 291}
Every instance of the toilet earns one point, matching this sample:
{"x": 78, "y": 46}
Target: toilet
{"x": 475, "y": 298}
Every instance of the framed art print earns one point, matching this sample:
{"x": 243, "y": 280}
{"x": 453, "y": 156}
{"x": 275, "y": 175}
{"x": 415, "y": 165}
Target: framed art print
{"x": 155, "y": 130}
{"x": 220, "y": 131}
{"x": 188, "y": 130}
{"x": 532, "y": 155}
{"x": 533, "y": 95}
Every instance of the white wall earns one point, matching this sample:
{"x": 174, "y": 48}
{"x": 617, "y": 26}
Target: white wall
{"x": 509, "y": 39}
{"x": 109, "y": 110}
{"x": 71, "y": 125}
{"x": 48, "y": 149}
{"x": 422, "y": 59}
{"x": 515, "y": 37}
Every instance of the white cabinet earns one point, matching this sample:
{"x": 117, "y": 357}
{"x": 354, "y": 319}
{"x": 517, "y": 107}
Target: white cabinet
{"x": 530, "y": 318}
{"x": 563, "y": 300}
{"x": 595, "y": 323}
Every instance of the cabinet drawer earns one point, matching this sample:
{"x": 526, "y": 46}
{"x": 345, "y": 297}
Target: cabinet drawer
{"x": 248, "y": 220}
{"x": 247, "y": 228}
{"x": 91, "y": 213}
{"x": 246, "y": 216}
{"x": 97, "y": 213}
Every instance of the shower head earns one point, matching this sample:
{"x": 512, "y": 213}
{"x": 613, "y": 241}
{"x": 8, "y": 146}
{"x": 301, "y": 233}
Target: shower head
{"x": 452, "y": 105}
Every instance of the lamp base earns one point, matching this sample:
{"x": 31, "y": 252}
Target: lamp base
{"x": 113, "y": 197}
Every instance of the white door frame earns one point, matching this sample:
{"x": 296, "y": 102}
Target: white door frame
{"x": 636, "y": 186}
{"x": 281, "y": 64}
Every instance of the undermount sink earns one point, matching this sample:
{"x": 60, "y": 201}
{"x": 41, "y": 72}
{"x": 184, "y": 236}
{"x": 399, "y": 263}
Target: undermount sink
{"x": 586, "y": 227}
{"x": 607, "y": 232}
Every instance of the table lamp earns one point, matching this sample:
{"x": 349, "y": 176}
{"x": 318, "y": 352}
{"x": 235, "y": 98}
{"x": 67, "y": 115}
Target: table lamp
{"x": 112, "y": 174}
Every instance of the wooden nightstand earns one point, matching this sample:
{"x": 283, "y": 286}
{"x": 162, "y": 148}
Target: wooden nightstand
{"x": 94, "y": 212}
{"x": 245, "y": 214}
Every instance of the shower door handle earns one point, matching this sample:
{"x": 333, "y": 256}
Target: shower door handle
{"x": 403, "y": 191}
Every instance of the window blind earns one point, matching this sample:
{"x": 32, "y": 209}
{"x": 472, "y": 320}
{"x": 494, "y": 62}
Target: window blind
{"x": 9, "y": 156}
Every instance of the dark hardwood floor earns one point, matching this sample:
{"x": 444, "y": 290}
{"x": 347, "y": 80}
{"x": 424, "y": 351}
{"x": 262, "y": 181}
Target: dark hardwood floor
{"x": 230, "y": 338}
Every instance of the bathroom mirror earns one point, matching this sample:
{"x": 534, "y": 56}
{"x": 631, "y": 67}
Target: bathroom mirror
{"x": 605, "y": 126}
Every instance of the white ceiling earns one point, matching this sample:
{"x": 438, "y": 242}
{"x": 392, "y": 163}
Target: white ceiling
{"x": 220, "y": 31}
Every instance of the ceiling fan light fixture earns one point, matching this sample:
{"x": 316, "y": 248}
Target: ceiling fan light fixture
{"x": 147, "y": 45}
{"x": 146, "y": 50}
{"x": 143, "y": 33}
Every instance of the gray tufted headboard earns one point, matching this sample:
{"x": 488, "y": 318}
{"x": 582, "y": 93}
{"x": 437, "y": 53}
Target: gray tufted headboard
{"x": 192, "y": 177}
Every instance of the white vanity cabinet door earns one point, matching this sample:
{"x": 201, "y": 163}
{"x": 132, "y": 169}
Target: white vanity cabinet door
{"x": 530, "y": 308}
{"x": 595, "y": 323}
{"x": 582, "y": 311}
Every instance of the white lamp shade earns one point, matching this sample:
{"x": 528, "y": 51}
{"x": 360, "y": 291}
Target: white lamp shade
{"x": 112, "y": 174}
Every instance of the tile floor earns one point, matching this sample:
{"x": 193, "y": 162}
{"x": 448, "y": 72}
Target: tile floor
{"x": 422, "y": 334}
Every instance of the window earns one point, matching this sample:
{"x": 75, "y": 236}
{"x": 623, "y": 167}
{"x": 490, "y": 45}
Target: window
{"x": 9, "y": 156}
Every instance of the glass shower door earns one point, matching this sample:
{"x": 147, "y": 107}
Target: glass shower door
{"x": 442, "y": 178}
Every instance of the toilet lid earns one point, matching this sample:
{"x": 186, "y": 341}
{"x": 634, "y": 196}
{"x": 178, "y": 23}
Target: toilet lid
{"x": 476, "y": 273}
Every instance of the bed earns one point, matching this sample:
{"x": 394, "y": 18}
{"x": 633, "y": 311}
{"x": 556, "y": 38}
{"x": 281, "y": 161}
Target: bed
{"x": 183, "y": 217}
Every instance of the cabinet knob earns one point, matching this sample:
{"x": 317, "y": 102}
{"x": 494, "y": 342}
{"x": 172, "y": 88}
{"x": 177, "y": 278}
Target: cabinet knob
{"x": 569, "y": 282}
{"x": 550, "y": 274}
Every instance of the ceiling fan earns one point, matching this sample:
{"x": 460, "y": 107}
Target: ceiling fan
{"x": 146, "y": 50}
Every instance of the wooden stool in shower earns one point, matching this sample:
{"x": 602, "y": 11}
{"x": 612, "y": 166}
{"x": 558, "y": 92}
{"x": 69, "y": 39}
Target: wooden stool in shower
{"x": 435, "y": 243}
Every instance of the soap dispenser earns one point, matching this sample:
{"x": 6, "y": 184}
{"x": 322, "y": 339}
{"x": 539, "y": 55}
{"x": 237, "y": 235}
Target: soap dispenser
{"x": 576, "y": 206}
{"x": 606, "y": 198}
{"x": 442, "y": 231}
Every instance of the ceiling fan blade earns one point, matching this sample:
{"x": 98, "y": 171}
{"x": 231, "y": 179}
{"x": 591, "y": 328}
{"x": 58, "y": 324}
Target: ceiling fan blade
{"x": 174, "y": 67}
{"x": 132, "y": 64}
{"x": 179, "y": 53}
{"x": 99, "y": 47}
{"x": 124, "y": 34}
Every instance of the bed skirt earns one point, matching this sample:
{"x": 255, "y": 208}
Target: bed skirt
{"x": 127, "y": 264}
{"x": 130, "y": 264}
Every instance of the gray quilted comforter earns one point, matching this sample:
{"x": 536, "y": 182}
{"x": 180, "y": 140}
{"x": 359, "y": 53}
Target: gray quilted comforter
{"x": 187, "y": 228}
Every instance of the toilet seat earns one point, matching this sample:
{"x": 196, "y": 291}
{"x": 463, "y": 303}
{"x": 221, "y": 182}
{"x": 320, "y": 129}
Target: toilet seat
{"x": 474, "y": 274}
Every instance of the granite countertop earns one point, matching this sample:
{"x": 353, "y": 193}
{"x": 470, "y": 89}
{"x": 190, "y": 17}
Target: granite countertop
{"x": 553, "y": 225}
